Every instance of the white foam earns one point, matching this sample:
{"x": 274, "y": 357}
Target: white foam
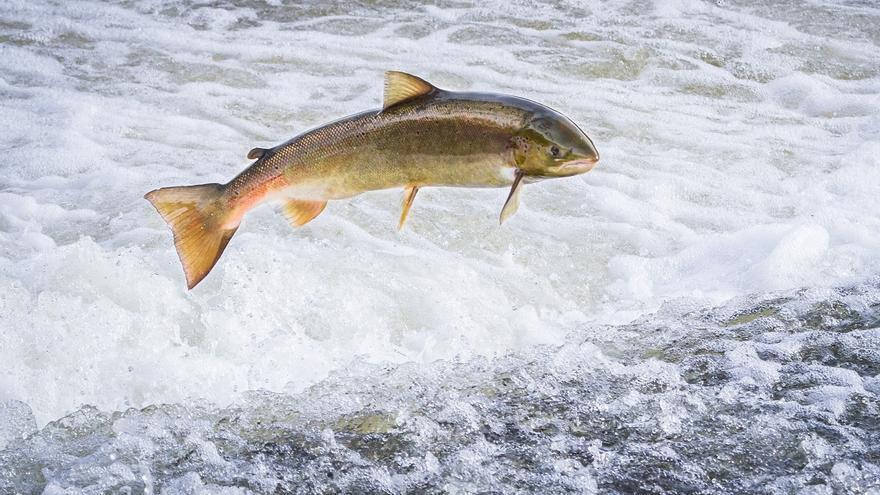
{"x": 732, "y": 164}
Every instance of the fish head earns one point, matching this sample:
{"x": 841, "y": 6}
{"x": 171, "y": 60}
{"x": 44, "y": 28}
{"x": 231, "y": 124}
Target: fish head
{"x": 551, "y": 145}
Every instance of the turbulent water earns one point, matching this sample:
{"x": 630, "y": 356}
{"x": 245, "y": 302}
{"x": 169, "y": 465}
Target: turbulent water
{"x": 701, "y": 313}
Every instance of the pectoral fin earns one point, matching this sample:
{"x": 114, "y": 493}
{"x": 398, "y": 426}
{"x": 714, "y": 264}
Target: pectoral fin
{"x": 512, "y": 202}
{"x": 300, "y": 212}
{"x": 409, "y": 194}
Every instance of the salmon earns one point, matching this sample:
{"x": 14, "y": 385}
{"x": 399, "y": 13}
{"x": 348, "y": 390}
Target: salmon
{"x": 422, "y": 136}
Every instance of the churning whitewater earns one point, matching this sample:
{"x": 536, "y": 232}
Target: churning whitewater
{"x": 699, "y": 313}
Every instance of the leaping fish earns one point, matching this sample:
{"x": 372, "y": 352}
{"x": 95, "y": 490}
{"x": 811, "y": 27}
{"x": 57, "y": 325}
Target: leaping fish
{"x": 422, "y": 136}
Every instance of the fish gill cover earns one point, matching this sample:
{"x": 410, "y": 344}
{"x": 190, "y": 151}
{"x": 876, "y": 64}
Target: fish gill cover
{"x": 697, "y": 314}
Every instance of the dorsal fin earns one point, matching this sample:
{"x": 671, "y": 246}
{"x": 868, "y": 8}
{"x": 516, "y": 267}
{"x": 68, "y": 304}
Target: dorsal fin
{"x": 400, "y": 86}
{"x": 256, "y": 153}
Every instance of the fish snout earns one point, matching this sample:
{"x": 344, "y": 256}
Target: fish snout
{"x": 585, "y": 158}
{"x": 590, "y": 154}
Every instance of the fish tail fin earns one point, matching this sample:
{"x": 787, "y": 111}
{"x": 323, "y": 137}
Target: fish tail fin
{"x": 199, "y": 218}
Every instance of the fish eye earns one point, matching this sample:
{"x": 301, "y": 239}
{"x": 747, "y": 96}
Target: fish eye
{"x": 554, "y": 151}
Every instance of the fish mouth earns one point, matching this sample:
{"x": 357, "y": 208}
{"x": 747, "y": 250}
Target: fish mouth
{"x": 579, "y": 166}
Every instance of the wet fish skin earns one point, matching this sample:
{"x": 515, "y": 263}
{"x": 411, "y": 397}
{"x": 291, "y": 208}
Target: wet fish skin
{"x": 422, "y": 137}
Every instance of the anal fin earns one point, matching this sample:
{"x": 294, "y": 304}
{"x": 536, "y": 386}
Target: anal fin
{"x": 300, "y": 212}
{"x": 409, "y": 195}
